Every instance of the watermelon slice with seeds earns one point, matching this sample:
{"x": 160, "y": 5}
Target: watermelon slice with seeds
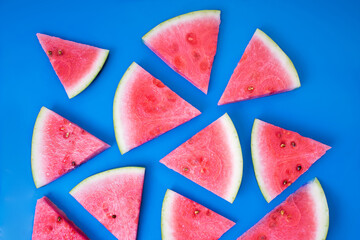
{"x": 303, "y": 215}
{"x": 145, "y": 108}
{"x": 51, "y": 223}
{"x": 212, "y": 158}
{"x": 58, "y": 146}
{"x": 187, "y": 43}
{"x": 113, "y": 197}
{"x": 264, "y": 69}
{"x": 75, "y": 64}
{"x": 182, "y": 219}
{"x": 280, "y": 156}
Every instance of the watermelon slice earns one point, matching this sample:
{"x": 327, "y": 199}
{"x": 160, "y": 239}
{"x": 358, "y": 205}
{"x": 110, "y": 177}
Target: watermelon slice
{"x": 281, "y": 156}
{"x": 212, "y": 158}
{"x": 187, "y": 43}
{"x": 58, "y": 146}
{"x": 113, "y": 197}
{"x": 182, "y": 219}
{"x": 51, "y": 223}
{"x": 145, "y": 108}
{"x": 76, "y": 64}
{"x": 263, "y": 70}
{"x": 303, "y": 215}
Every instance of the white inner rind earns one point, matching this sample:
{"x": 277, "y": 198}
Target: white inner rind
{"x": 166, "y": 216}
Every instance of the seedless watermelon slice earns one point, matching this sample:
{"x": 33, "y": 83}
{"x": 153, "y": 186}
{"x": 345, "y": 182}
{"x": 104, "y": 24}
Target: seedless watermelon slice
{"x": 187, "y": 43}
{"x": 264, "y": 69}
{"x": 113, "y": 197}
{"x": 183, "y": 219}
{"x": 76, "y": 64}
{"x": 51, "y": 223}
{"x": 303, "y": 215}
{"x": 212, "y": 158}
{"x": 145, "y": 108}
{"x": 58, "y": 146}
{"x": 280, "y": 156}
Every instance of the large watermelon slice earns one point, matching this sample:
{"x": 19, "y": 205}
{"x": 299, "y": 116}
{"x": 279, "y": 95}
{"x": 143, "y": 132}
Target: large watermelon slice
{"x": 187, "y": 43}
{"x": 280, "y": 156}
{"x": 114, "y": 197}
{"x": 264, "y": 69}
{"x": 76, "y": 64}
{"x": 212, "y": 158}
{"x": 303, "y": 215}
{"x": 58, "y": 146}
{"x": 184, "y": 219}
{"x": 145, "y": 108}
{"x": 51, "y": 223}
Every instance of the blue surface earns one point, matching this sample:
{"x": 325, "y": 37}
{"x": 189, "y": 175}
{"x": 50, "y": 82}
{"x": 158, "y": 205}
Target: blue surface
{"x": 321, "y": 37}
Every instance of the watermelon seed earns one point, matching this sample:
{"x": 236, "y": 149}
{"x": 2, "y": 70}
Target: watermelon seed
{"x": 293, "y": 144}
{"x": 285, "y": 182}
{"x": 197, "y": 212}
{"x": 66, "y": 135}
{"x": 49, "y": 52}
{"x": 62, "y": 129}
{"x": 186, "y": 169}
{"x": 282, "y": 212}
{"x": 282, "y": 145}
{"x": 59, "y": 219}
{"x": 113, "y": 216}
{"x": 250, "y": 88}
{"x": 298, "y": 167}
{"x": 73, "y": 163}
{"x": 191, "y": 38}
{"x": 60, "y": 52}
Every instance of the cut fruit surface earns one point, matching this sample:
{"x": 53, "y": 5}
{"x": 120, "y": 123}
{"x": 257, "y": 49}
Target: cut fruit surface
{"x": 113, "y": 197}
{"x": 184, "y": 219}
{"x": 145, "y": 108}
{"x": 280, "y": 156}
{"x": 303, "y": 215}
{"x": 75, "y": 64}
{"x": 58, "y": 146}
{"x": 264, "y": 69}
{"x": 212, "y": 158}
{"x": 187, "y": 43}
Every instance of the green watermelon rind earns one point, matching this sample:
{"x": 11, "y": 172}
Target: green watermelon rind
{"x": 166, "y": 215}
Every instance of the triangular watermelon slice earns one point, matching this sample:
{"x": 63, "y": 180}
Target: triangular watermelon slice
{"x": 264, "y": 69}
{"x": 280, "y": 156}
{"x": 51, "y": 223}
{"x": 187, "y": 43}
{"x": 75, "y": 64}
{"x": 113, "y": 197}
{"x": 212, "y": 158}
{"x": 303, "y": 215}
{"x": 58, "y": 146}
{"x": 182, "y": 218}
{"x": 145, "y": 108}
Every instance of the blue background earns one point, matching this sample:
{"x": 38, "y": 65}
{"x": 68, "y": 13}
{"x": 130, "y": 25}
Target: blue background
{"x": 321, "y": 37}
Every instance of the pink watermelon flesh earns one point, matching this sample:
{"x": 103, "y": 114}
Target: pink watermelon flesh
{"x": 51, "y": 223}
{"x": 212, "y": 158}
{"x": 145, "y": 108}
{"x": 187, "y": 43}
{"x": 114, "y": 198}
{"x": 263, "y": 70}
{"x": 184, "y": 219}
{"x": 75, "y": 64}
{"x": 59, "y": 146}
{"x": 280, "y": 156}
{"x": 303, "y": 215}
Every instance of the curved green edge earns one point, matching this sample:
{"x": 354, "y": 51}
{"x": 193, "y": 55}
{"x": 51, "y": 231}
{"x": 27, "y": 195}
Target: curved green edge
{"x": 163, "y": 213}
{"x": 325, "y": 204}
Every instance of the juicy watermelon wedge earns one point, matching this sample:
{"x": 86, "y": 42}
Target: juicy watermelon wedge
{"x": 264, "y": 69}
{"x": 182, "y": 218}
{"x": 280, "y": 156}
{"x": 303, "y": 215}
{"x": 51, "y": 223}
{"x": 187, "y": 43}
{"x": 75, "y": 64}
{"x": 113, "y": 197}
{"x": 212, "y": 158}
{"x": 58, "y": 146}
{"x": 145, "y": 108}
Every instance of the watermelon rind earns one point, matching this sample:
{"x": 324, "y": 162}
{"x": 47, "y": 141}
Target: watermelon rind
{"x": 166, "y": 215}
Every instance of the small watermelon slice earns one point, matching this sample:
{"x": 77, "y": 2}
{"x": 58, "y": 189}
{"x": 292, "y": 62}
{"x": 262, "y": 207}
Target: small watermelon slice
{"x": 187, "y": 43}
{"x": 58, "y": 146}
{"x": 51, "y": 223}
{"x": 113, "y": 197}
{"x": 280, "y": 156}
{"x": 75, "y": 64}
{"x": 303, "y": 215}
{"x": 182, "y": 218}
{"x": 212, "y": 158}
{"x": 145, "y": 108}
{"x": 264, "y": 69}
